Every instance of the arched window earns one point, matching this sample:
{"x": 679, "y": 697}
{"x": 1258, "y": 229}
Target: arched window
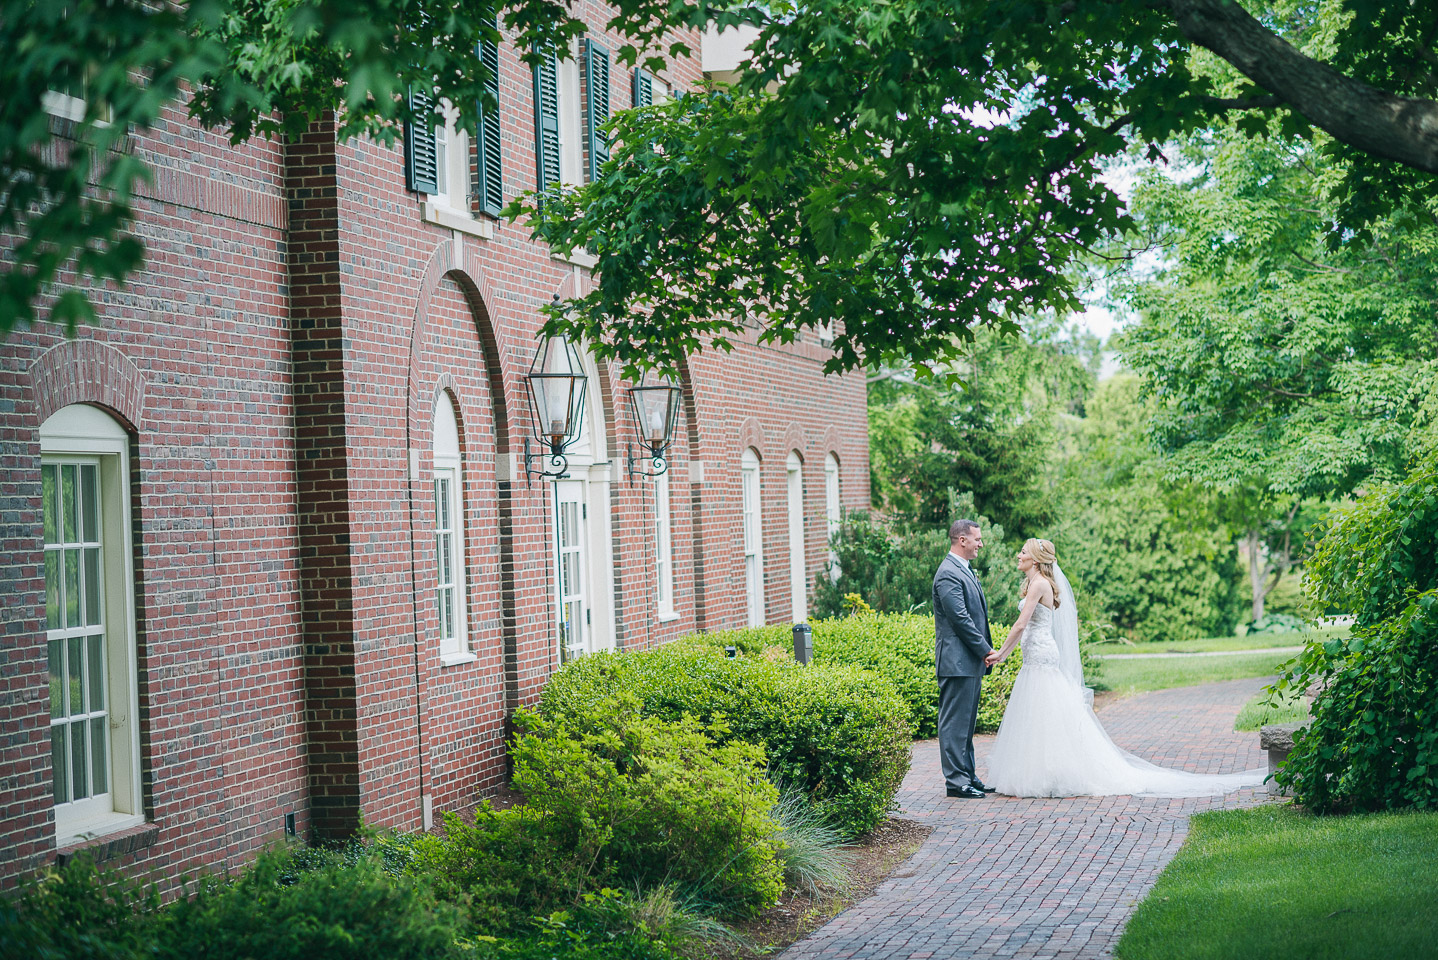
{"x": 90, "y": 623}
{"x": 753, "y": 537}
{"x": 833, "y": 511}
{"x": 449, "y": 590}
{"x": 794, "y": 477}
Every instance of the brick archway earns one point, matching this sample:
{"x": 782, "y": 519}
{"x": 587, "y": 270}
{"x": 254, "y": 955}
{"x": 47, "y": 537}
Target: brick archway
{"x": 88, "y": 371}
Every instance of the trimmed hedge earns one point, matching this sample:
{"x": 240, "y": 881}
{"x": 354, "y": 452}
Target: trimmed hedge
{"x": 839, "y": 734}
{"x": 897, "y": 646}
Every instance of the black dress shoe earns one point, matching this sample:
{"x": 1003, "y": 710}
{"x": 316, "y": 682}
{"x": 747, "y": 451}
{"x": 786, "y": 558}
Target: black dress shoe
{"x": 966, "y": 792}
{"x": 980, "y": 786}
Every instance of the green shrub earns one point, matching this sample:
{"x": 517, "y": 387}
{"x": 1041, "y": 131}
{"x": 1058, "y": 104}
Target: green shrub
{"x": 1372, "y": 742}
{"x": 644, "y": 800}
{"x": 614, "y": 798}
{"x": 890, "y": 563}
{"x": 77, "y": 912}
{"x": 1275, "y": 623}
{"x": 899, "y": 647}
{"x": 335, "y": 910}
{"x": 837, "y": 733}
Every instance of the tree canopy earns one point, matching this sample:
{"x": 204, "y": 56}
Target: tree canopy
{"x": 908, "y": 168}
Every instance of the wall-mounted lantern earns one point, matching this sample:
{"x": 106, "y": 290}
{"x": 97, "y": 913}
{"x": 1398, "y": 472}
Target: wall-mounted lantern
{"x": 556, "y": 385}
{"x": 655, "y": 408}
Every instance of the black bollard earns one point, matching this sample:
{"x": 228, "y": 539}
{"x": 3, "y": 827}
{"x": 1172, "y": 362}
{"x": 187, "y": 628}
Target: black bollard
{"x": 803, "y": 642}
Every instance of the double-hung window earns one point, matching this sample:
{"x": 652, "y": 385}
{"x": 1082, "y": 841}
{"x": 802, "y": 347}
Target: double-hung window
{"x": 90, "y": 624}
{"x": 753, "y": 537}
{"x": 794, "y": 484}
{"x": 832, "y": 509}
{"x": 449, "y": 582}
{"x": 663, "y": 548}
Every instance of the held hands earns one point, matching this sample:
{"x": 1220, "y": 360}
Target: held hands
{"x": 993, "y": 658}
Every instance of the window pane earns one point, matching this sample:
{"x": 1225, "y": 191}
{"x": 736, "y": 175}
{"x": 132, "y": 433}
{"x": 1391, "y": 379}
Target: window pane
{"x": 97, "y": 673}
{"x": 57, "y": 678}
{"x": 67, "y": 501}
{"x": 47, "y": 483}
{"x": 77, "y": 761}
{"x": 59, "y": 764}
{"x": 441, "y": 503}
{"x": 52, "y": 589}
{"x": 99, "y": 770}
{"x": 92, "y": 586}
{"x": 72, "y": 588}
{"x": 89, "y": 512}
{"x": 74, "y": 699}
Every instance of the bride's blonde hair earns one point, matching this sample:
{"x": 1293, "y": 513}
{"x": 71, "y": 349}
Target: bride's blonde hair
{"x": 1041, "y": 552}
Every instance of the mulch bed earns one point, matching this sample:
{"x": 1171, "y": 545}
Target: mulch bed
{"x": 796, "y": 915}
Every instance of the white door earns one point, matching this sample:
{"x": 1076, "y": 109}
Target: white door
{"x": 571, "y": 577}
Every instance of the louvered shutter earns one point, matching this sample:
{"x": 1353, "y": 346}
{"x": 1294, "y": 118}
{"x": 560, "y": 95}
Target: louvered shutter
{"x": 546, "y": 121}
{"x": 596, "y": 85}
{"x": 643, "y": 88}
{"x": 490, "y": 188}
{"x": 421, "y": 160}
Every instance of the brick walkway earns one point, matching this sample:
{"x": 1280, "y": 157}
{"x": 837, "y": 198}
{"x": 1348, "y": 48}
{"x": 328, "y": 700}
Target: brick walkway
{"x": 1003, "y": 877}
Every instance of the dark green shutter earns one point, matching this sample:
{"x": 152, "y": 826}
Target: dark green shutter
{"x": 546, "y": 121}
{"x": 596, "y": 86}
{"x": 490, "y": 188}
{"x": 643, "y": 88}
{"x": 421, "y": 160}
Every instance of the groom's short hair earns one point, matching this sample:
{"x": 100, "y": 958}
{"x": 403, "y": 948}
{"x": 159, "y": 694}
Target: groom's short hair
{"x": 961, "y": 528}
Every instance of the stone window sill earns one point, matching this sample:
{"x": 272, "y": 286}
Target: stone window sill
{"x": 579, "y": 258}
{"x": 135, "y": 835}
{"x": 458, "y": 220}
{"x": 455, "y": 659}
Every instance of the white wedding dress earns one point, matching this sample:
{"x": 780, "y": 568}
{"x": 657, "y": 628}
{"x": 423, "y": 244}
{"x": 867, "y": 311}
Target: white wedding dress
{"x": 1051, "y": 744}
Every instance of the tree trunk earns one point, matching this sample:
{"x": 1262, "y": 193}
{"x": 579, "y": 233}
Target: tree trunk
{"x": 1257, "y": 575}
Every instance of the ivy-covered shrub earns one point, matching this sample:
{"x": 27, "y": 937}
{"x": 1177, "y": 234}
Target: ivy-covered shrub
{"x": 839, "y": 734}
{"x": 615, "y": 798}
{"x": 1372, "y": 741}
{"x": 899, "y": 647}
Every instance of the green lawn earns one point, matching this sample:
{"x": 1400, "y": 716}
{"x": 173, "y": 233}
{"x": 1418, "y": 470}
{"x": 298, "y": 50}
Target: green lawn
{"x": 1136, "y": 676}
{"x": 1291, "y": 708}
{"x": 1259, "y": 641}
{"x": 1270, "y": 882}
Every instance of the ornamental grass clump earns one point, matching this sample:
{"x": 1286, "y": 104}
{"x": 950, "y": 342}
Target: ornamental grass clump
{"x": 839, "y": 734}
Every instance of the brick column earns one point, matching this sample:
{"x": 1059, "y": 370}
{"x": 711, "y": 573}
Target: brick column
{"x": 322, "y": 473}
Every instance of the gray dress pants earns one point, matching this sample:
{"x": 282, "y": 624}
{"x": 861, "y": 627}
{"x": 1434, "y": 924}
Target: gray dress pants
{"x": 958, "y": 713}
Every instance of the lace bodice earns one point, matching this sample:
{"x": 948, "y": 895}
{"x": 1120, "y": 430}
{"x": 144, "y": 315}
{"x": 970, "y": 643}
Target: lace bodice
{"x": 1038, "y": 644}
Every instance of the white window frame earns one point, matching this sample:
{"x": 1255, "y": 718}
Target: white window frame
{"x": 571, "y": 122}
{"x": 451, "y": 147}
{"x": 833, "y": 510}
{"x": 84, "y": 434}
{"x": 752, "y": 519}
{"x": 663, "y": 550}
{"x": 798, "y": 576}
{"x": 449, "y": 470}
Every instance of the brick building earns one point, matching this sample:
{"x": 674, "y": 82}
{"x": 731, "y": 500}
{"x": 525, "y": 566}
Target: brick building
{"x": 273, "y": 559}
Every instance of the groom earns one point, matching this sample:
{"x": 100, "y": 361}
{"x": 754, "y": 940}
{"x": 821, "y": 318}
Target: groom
{"x": 962, "y": 641}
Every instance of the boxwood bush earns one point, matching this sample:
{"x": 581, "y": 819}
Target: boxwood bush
{"x": 898, "y": 646}
{"x": 839, "y": 734}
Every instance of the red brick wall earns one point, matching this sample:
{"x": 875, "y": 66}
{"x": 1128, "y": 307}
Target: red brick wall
{"x": 278, "y": 362}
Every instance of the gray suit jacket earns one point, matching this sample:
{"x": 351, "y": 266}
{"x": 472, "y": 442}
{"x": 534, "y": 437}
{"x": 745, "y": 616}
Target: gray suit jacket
{"x": 961, "y": 621}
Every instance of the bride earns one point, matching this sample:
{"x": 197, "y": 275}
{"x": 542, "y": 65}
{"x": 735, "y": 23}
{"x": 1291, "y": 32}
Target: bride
{"x": 1050, "y": 743}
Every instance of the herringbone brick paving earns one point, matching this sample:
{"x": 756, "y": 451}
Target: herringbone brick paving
{"x": 1003, "y": 877}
